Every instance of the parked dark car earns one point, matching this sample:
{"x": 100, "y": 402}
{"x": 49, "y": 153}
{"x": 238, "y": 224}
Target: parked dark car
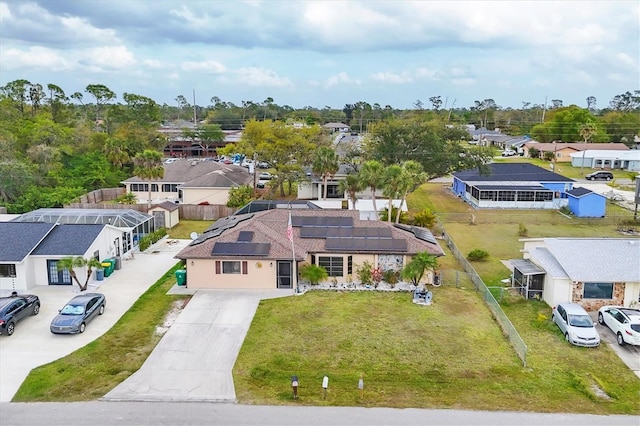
{"x": 16, "y": 308}
{"x": 599, "y": 176}
{"x": 75, "y": 315}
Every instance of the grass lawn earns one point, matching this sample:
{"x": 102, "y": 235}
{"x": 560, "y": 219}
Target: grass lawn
{"x": 183, "y": 230}
{"x": 92, "y": 371}
{"x": 448, "y": 355}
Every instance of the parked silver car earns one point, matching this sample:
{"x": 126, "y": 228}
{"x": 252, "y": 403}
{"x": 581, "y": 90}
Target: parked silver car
{"x": 576, "y": 324}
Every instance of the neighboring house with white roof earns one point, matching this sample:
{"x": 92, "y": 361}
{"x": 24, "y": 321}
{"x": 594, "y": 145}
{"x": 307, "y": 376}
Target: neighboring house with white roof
{"x": 562, "y": 151}
{"x": 191, "y": 182}
{"x": 592, "y": 272}
{"x": 253, "y": 250}
{"x": 607, "y": 159}
{"x": 336, "y": 127}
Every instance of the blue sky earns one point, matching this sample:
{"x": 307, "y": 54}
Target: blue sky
{"x": 327, "y": 53}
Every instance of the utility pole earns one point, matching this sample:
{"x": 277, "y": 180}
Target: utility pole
{"x": 544, "y": 109}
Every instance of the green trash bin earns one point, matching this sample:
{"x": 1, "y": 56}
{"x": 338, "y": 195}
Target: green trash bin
{"x": 181, "y": 277}
{"x": 107, "y": 264}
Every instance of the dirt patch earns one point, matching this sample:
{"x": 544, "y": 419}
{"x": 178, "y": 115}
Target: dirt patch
{"x": 171, "y": 316}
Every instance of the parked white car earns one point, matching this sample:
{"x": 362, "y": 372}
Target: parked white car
{"x": 624, "y": 322}
{"x": 508, "y": 153}
{"x": 576, "y": 324}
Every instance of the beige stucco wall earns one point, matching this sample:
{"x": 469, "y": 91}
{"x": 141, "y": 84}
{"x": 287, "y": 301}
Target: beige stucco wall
{"x": 200, "y": 195}
{"x": 631, "y": 293}
{"x": 556, "y": 290}
{"x": 261, "y": 274}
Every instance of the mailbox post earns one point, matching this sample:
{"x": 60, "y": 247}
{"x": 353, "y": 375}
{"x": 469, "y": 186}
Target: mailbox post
{"x": 325, "y": 385}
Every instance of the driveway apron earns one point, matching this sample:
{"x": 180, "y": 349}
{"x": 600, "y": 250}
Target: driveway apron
{"x": 195, "y": 358}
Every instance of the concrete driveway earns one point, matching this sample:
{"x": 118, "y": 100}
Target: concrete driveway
{"x": 630, "y": 355}
{"x": 195, "y": 358}
{"x": 33, "y": 345}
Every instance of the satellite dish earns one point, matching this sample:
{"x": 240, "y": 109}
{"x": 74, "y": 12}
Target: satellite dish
{"x": 194, "y": 235}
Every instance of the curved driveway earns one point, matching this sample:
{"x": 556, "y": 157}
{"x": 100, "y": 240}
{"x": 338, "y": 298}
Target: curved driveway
{"x": 195, "y": 358}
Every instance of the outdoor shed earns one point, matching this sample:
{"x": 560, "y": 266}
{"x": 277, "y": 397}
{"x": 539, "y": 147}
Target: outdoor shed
{"x": 585, "y": 203}
{"x": 165, "y": 214}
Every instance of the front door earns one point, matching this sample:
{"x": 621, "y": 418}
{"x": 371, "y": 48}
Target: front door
{"x": 57, "y": 277}
{"x": 284, "y": 274}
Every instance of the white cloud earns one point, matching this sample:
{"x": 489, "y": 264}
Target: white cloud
{"x": 153, "y": 63}
{"x": 107, "y": 58}
{"x": 5, "y": 13}
{"x": 261, "y": 77}
{"x": 465, "y": 81}
{"x": 34, "y": 57}
{"x": 173, "y": 76}
{"x": 626, "y": 59}
{"x": 340, "y": 78}
{"x": 388, "y": 77}
{"x": 206, "y": 66}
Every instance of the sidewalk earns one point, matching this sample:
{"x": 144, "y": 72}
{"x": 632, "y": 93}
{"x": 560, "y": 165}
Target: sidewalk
{"x": 33, "y": 344}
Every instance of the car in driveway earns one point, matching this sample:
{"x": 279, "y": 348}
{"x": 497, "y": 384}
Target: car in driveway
{"x": 623, "y": 322}
{"x": 508, "y": 153}
{"x": 600, "y": 175}
{"x": 77, "y": 313}
{"x": 576, "y": 324}
{"x": 15, "y": 308}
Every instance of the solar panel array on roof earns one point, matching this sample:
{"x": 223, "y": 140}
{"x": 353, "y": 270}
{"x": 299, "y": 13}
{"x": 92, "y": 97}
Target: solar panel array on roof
{"x": 420, "y": 233}
{"x": 245, "y": 236}
{"x": 343, "y": 232}
{"x": 321, "y": 221}
{"x": 365, "y": 244}
{"x": 220, "y": 226}
{"x": 243, "y": 249}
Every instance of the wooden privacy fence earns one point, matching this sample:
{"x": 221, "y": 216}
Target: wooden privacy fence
{"x": 209, "y": 212}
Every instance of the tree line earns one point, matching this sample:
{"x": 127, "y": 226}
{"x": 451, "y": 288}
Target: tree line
{"x": 55, "y": 146}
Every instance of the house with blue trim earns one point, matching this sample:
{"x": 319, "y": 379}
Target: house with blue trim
{"x": 512, "y": 186}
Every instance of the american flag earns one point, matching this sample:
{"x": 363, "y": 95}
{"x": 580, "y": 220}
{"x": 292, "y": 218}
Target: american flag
{"x": 290, "y": 229}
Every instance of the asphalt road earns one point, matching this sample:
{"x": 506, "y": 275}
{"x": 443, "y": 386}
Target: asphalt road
{"x": 185, "y": 413}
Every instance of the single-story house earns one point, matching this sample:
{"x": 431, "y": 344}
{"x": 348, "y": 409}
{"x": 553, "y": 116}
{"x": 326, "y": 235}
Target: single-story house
{"x": 562, "y": 151}
{"x": 191, "y": 182}
{"x": 607, "y": 159}
{"x": 585, "y": 203}
{"x": 512, "y": 186}
{"x": 253, "y": 251}
{"x": 166, "y": 214}
{"x": 132, "y": 224}
{"x": 30, "y": 251}
{"x": 592, "y": 272}
{"x": 336, "y": 127}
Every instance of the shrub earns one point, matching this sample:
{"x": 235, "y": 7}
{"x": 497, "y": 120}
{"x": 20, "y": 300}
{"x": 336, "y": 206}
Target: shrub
{"x": 478, "y": 255}
{"x": 364, "y": 272}
{"x": 565, "y": 210}
{"x": 240, "y": 196}
{"x": 425, "y": 218}
{"x": 153, "y": 237}
{"x": 394, "y": 212}
{"x": 313, "y": 273}
{"x": 522, "y": 230}
{"x": 391, "y": 277}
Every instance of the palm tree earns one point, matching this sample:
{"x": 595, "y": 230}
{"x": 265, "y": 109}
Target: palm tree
{"x": 325, "y": 164}
{"x": 586, "y": 131}
{"x": 421, "y": 262}
{"x": 69, "y": 263}
{"x": 148, "y": 166}
{"x": 351, "y": 185}
{"x": 371, "y": 176}
{"x": 392, "y": 181}
{"x": 412, "y": 176}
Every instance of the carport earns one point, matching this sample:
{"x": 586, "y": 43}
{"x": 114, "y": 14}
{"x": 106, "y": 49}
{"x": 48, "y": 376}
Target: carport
{"x": 528, "y": 278}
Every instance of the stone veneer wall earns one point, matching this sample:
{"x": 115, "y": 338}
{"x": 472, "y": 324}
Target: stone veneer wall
{"x": 595, "y": 304}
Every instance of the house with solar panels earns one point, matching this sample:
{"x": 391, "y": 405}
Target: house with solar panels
{"x": 512, "y": 186}
{"x": 253, "y": 251}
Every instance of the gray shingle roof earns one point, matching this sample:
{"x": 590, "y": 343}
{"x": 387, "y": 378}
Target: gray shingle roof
{"x": 69, "y": 240}
{"x": 580, "y": 191}
{"x": 597, "y": 259}
{"x": 18, "y": 239}
{"x": 194, "y": 173}
{"x": 511, "y": 172}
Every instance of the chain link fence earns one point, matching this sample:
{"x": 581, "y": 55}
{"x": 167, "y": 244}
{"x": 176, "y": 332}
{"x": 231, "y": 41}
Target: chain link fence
{"x": 471, "y": 276}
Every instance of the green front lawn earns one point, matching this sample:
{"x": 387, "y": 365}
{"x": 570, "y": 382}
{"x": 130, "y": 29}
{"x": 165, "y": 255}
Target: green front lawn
{"x": 448, "y": 355}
